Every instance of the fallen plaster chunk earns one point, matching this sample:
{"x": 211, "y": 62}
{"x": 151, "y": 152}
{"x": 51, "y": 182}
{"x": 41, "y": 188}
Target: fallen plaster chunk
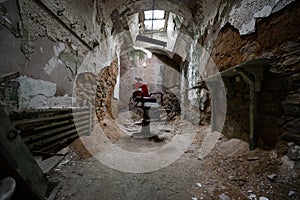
{"x": 224, "y": 197}
{"x": 234, "y": 146}
{"x": 291, "y": 193}
{"x": 287, "y": 163}
{"x": 253, "y": 158}
{"x": 272, "y": 177}
{"x": 198, "y": 184}
{"x": 208, "y": 143}
{"x": 252, "y": 197}
{"x": 263, "y": 198}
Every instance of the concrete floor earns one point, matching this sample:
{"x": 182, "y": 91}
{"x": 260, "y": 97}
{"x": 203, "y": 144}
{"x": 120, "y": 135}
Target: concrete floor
{"x": 220, "y": 169}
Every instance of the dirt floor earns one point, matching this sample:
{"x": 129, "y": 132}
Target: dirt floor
{"x": 221, "y": 169}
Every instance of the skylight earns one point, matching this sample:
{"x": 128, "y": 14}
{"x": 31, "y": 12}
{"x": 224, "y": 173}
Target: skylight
{"x": 155, "y": 16}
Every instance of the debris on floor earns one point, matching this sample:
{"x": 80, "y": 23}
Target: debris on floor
{"x": 228, "y": 170}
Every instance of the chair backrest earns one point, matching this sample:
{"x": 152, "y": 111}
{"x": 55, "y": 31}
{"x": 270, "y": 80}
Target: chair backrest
{"x": 138, "y": 96}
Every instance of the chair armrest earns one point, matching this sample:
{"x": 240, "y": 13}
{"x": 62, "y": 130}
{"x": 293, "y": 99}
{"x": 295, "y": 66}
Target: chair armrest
{"x": 161, "y": 96}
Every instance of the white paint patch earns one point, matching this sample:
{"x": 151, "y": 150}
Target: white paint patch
{"x": 7, "y": 20}
{"x": 244, "y": 17}
{"x": 264, "y": 12}
{"x": 94, "y": 15}
{"x": 29, "y": 88}
{"x": 248, "y": 28}
{"x": 54, "y": 61}
{"x": 41, "y": 102}
{"x": 117, "y": 86}
{"x": 61, "y": 102}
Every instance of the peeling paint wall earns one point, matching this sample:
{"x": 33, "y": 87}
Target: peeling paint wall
{"x": 57, "y": 40}
{"x": 275, "y": 37}
{"x": 258, "y": 29}
{"x": 51, "y": 42}
{"x": 54, "y": 61}
{"x": 34, "y": 94}
{"x": 243, "y": 17}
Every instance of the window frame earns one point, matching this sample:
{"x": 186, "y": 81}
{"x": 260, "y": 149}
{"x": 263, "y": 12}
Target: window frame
{"x": 143, "y": 19}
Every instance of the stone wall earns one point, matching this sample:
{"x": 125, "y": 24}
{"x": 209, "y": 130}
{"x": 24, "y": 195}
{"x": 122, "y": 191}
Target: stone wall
{"x": 106, "y": 82}
{"x": 237, "y": 115}
{"x": 289, "y": 106}
{"x": 269, "y": 40}
{"x": 49, "y": 44}
{"x": 277, "y": 38}
{"x": 85, "y": 90}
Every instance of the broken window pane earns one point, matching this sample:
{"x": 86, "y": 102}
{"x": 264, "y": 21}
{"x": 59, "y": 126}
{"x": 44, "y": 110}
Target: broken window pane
{"x": 157, "y": 24}
{"x": 158, "y": 14}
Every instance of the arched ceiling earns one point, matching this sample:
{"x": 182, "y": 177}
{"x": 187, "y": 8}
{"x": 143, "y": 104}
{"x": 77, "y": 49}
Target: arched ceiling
{"x": 119, "y": 14}
{"x": 191, "y": 11}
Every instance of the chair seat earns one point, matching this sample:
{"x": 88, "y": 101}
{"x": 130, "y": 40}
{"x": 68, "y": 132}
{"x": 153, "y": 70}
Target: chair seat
{"x": 151, "y": 104}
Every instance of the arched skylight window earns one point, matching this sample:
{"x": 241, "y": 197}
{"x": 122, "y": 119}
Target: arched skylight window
{"x": 157, "y": 17}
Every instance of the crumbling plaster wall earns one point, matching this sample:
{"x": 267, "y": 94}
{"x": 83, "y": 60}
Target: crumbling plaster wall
{"x": 50, "y": 43}
{"x": 232, "y": 32}
{"x": 56, "y": 52}
{"x": 214, "y": 17}
{"x": 261, "y": 29}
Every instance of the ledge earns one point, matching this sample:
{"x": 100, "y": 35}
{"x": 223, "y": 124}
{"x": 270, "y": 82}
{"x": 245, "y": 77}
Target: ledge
{"x": 254, "y": 66}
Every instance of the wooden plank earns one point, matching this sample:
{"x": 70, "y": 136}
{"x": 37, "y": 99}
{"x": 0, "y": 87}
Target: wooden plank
{"x": 53, "y": 131}
{"x": 55, "y": 124}
{"x": 47, "y": 133}
{"x": 40, "y": 154}
{"x": 65, "y": 140}
{"x": 35, "y": 129}
{"x": 46, "y": 119}
{"x": 38, "y": 112}
{"x": 61, "y": 142}
{"x": 55, "y": 137}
